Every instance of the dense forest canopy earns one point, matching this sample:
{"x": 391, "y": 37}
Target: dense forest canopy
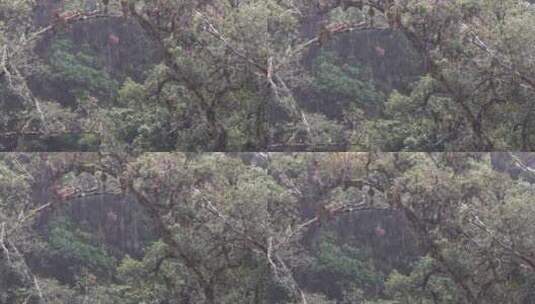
{"x": 267, "y": 75}
{"x": 267, "y": 151}
{"x": 267, "y": 228}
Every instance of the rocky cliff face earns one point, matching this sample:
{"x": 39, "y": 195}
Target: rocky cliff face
{"x": 116, "y": 220}
{"x": 111, "y": 47}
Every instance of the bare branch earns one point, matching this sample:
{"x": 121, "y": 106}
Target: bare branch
{"x": 38, "y": 288}
{"x": 3, "y": 239}
{"x": 476, "y": 222}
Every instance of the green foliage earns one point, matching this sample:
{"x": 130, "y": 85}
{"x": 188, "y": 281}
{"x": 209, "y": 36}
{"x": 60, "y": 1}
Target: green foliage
{"x": 207, "y": 87}
{"x": 421, "y": 285}
{"x": 80, "y": 69}
{"x": 316, "y": 131}
{"x": 342, "y": 272}
{"x": 335, "y": 78}
{"x": 242, "y": 228}
{"x": 14, "y": 187}
{"x": 140, "y": 122}
{"x": 346, "y": 264}
{"x": 68, "y": 243}
{"x": 420, "y": 121}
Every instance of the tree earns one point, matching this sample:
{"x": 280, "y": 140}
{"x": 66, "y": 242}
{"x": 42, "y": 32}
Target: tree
{"x": 230, "y": 229}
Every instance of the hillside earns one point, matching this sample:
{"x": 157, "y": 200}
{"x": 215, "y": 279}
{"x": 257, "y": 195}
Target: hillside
{"x": 266, "y": 228}
{"x": 292, "y": 75}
